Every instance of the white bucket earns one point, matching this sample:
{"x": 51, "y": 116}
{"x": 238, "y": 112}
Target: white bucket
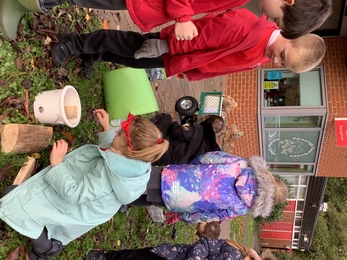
{"x": 61, "y": 106}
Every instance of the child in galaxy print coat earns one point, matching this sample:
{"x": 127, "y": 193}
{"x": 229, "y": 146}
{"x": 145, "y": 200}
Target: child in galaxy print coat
{"x": 215, "y": 186}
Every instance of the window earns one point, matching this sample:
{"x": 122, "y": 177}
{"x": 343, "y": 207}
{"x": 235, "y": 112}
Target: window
{"x": 292, "y": 115}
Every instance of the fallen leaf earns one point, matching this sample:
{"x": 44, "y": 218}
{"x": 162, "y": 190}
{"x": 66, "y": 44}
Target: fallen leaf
{"x": 87, "y": 17}
{"x": 26, "y": 103}
{"x": 68, "y": 135}
{"x": 3, "y": 83}
{"x": 105, "y": 24}
{"x": 63, "y": 72}
{"x": 27, "y": 83}
{"x": 36, "y": 155}
{"x": 118, "y": 242}
{"x": 14, "y": 254}
{"x": 3, "y": 243}
{"x": 22, "y": 251}
{"x": 118, "y": 16}
{"x": 118, "y": 27}
{"x": 48, "y": 40}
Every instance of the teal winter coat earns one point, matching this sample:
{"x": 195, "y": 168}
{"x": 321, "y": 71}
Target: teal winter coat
{"x": 74, "y": 196}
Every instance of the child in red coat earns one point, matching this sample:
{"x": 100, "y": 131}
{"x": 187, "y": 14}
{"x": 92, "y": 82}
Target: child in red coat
{"x": 229, "y": 42}
{"x": 292, "y": 16}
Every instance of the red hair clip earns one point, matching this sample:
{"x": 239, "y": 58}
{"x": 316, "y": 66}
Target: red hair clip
{"x": 125, "y": 127}
{"x": 160, "y": 140}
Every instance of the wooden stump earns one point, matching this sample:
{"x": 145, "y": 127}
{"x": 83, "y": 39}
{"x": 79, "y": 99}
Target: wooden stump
{"x": 23, "y": 138}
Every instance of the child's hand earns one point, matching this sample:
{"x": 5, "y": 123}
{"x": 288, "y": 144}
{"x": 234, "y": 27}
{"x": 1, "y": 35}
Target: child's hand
{"x": 103, "y": 118}
{"x": 58, "y": 152}
{"x": 185, "y": 30}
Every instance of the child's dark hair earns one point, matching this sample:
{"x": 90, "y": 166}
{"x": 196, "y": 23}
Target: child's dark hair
{"x": 212, "y": 230}
{"x": 304, "y": 16}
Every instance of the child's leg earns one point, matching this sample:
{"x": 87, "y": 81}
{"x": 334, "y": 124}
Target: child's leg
{"x": 8, "y": 189}
{"x": 121, "y": 43}
{"x": 98, "y": 4}
{"x": 89, "y": 59}
{"x": 137, "y": 254}
{"x": 153, "y": 196}
{"x": 44, "y": 248}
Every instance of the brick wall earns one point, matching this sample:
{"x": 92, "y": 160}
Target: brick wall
{"x": 243, "y": 88}
{"x": 333, "y": 161}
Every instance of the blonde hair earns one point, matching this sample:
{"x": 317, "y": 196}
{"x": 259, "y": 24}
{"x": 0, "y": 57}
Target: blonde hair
{"x": 311, "y": 50}
{"x": 281, "y": 189}
{"x": 267, "y": 255}
{"x": 147, "y": 141}
{"x": 245, "y": 250}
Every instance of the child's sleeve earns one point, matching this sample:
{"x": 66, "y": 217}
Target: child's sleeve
{"x": 208, "y": 216}
{"x": 179, "y": 10}
{"x": 217, "y": 157}
{"x": 105, "y": 138}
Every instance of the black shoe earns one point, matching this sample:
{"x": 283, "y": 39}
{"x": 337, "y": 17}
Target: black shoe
{"x": 88, "y": 69}
{"x": 61, "y": 50}
{"x": 96, "y": 255}
{"x": 56, "y": 249}
{"x": 123, "y": 208}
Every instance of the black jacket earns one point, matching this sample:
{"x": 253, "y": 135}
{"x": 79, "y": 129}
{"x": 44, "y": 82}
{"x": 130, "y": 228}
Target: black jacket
{"x": 185, "y": 145}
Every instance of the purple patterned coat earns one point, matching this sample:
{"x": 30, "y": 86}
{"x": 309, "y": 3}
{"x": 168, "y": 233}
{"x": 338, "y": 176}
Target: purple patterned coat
{"x": 215, "y": 186}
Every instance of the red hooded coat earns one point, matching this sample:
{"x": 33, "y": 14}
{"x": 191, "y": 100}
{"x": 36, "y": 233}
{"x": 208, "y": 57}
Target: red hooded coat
{"x": 229, "y": 42}
{"x": 147, "y": 14}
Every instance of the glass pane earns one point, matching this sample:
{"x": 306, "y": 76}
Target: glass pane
{"x": 300, "y": 205}
{"x": 291, "y": 146}
{"x": 293, "y": 121}
{"x": 296, "y": 168}
{"x": 286, "y": 88}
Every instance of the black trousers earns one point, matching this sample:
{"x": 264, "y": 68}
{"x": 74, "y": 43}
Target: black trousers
{"x": 98, "y": 4}
{"x": 113, "y": 46}
{"x": 153, "y": 195}
{"x": 135, "y": 254}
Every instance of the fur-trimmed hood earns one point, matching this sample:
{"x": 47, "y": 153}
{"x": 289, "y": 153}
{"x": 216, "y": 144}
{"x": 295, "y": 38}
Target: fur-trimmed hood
{"x": 264, "y": 201}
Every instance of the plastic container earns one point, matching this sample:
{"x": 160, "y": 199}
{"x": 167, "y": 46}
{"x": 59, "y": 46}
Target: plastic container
{"x": 58, "y": 107}
{"x": 128, "y": 90}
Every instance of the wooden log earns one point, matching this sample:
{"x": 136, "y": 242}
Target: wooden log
{"x": 25, "y": 172}
{"x": 23, "y": 138}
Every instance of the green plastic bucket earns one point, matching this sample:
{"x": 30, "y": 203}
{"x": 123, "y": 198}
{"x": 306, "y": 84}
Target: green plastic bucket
{"x": 128, "y": 90}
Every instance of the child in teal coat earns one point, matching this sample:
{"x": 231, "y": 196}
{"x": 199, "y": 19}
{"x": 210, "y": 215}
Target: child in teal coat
{"x": 84, "y": 188}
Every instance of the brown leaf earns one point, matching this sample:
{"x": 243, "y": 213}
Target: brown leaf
{"x": 14, "y": 254}
{"x": 118, "y": 16}
{"x": 69, "y": 136}
{"x": 3, "y": 243}
{"x": 26, "y": 103}
{"x": 76, "y": 70}
{"x": 27, "y": 83}
{"x": 3, "y": 83}
{"x": 22, "y": 251}
{"x": 19, "y": 63}
{"x": 63, "y": 72}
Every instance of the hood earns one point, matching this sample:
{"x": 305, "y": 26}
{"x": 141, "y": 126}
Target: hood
{"x": 264, "y": 202}
{"x": 128, "y": 177}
